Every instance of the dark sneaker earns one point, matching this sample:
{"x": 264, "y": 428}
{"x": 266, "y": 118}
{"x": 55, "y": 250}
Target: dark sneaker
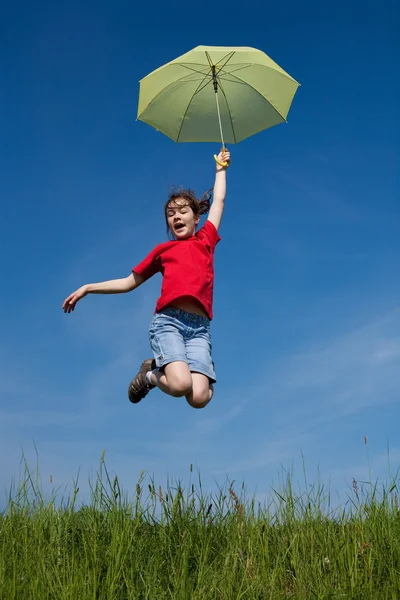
{"x": 148, "y": 365}
{"x": 138, "y": 387}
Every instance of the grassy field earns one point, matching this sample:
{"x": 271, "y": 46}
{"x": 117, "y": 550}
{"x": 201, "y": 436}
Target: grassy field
{"x": 190, "y": 545}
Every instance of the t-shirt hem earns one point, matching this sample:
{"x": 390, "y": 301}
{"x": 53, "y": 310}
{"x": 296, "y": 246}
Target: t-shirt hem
{"x": 162, "y": 303}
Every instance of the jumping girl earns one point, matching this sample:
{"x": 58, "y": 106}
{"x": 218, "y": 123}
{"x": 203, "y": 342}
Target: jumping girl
{"x": 179, "y": 333}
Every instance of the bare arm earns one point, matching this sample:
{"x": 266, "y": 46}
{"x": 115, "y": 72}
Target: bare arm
{"x": 219, "y": 193}
{"x": 116, "y": 286}
{"x": 113, "y": 286}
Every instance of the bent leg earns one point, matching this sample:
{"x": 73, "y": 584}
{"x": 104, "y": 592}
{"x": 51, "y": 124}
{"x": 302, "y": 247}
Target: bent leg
{"x": 175, "y": 379}
{"x": 201, "y": 392}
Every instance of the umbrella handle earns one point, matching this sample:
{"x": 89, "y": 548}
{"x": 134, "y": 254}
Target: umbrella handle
{"x": 225, "y": 165}
{"x": 221, "y": 164}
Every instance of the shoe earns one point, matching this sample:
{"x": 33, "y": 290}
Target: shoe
{"x": 148, "y": 365}
{"x": 139, "y": 387}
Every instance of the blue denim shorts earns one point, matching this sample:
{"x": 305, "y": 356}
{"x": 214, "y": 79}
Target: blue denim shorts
{"x": 178, "y": 335}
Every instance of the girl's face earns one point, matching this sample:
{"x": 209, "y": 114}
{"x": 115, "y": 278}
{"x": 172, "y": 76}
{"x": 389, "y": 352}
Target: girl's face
{"x": 181, "y": 219}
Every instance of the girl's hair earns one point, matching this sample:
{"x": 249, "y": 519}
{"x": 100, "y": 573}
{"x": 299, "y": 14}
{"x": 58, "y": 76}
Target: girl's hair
{"x": 200, "y": 206}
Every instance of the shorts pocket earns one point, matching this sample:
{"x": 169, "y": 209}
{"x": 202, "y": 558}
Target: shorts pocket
{"x": 155, "y": 344}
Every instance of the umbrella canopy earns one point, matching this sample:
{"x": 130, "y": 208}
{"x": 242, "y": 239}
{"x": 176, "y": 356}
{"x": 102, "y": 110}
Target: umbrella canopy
{"x": 252, "y": 93}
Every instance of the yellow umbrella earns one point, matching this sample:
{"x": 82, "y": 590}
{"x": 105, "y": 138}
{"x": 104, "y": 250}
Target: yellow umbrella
{"x": 214, "y": 93}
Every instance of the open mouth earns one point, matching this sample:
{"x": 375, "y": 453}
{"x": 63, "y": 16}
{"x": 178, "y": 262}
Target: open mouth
{"x": 179, "y": 226}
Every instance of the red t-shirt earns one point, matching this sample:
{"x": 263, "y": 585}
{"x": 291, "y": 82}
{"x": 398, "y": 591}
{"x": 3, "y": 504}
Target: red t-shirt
{"x": 187, "y": 267}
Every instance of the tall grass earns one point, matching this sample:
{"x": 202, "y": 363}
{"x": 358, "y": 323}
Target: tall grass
{"x": 192, "y": 545}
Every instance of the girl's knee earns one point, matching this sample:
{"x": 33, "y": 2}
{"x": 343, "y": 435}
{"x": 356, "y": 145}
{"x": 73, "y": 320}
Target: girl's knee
{"x": 180, "y": 387}
{"x": 200, "y": 400}
{"x": 196, "y": 404}
{"x": 179, "y": 379}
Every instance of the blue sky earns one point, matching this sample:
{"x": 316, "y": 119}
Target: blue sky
{"x": 306, "y": 329}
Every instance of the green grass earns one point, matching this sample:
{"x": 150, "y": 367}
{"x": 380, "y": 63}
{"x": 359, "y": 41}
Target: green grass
{"x": 190, "y": 545}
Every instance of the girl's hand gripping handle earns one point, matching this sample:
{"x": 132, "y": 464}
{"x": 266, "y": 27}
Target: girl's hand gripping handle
{"x": 223, "y": 158}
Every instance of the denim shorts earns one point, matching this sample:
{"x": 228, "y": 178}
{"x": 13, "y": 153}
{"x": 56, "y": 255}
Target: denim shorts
{"x": 178, "y": 335}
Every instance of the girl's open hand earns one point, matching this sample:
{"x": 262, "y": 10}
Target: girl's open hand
{"x": 70, "y": 302}
{"x": 225, "y": 157}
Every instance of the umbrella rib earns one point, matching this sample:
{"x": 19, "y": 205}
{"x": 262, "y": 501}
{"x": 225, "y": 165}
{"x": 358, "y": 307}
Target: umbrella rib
{"x": 229, "y": 55}
{"x": 186, "y": 66}
{"x": 181, "y": 64}
{"x": 201, "y": 86}
{"x": 187, "y": 108}
{"x": 259, "y": 93}
{"x": 237, "y": 68}
{"x": 209, "y": 59}
{"x": 179, "y": 79}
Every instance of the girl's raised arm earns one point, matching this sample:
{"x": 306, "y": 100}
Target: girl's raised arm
{"x": 219, "y": 193}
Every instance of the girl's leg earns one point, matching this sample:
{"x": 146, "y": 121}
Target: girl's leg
{"x": 178, "y": 381}
{"x": 198, "y": 351}
{"x": 201, "y": 392}
{"x": 175, "y": 379}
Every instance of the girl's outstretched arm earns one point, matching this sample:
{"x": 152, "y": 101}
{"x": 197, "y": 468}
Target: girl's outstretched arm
{"x": 219, "y": 193}
{"x": 114, "y": 286}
